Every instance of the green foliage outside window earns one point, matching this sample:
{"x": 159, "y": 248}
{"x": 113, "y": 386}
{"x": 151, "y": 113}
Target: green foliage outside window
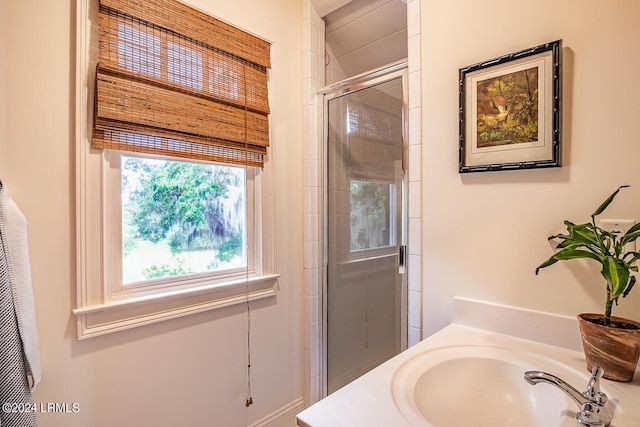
{"x": 189, "y": 207}
{"x": 370, "y": 205}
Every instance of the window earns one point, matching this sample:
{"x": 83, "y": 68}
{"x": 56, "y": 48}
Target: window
{"x": 175, "y": 225}
{"x": 170, "y": 167}
{"x": 372, "y": 214}
{"x": 179, "y": 218}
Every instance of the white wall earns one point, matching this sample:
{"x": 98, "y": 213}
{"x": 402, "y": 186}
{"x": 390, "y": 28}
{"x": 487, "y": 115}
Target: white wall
{"x": 484, "y": 233}
{"x": 190, "y": 371}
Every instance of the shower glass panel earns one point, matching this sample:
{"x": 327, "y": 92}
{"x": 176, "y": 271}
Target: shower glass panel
{"x": 365, "y": 312}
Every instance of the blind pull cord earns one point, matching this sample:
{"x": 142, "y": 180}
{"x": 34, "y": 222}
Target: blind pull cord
{"x": 249, "y": 400}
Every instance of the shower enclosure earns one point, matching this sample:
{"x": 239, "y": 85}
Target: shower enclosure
{"x": 364, "y": 285}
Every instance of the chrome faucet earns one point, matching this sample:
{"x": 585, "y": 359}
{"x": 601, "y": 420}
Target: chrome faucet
{"x": 591, "y": 402}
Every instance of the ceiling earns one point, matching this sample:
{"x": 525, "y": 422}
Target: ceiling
{"x": 364, "y": 34}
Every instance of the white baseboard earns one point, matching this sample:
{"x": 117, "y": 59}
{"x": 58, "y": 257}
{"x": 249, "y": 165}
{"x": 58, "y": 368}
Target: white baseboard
{"x": 548, "y": 328}
{"x": 283, "y": 417}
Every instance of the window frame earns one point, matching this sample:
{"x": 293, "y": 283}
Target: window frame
{"x": 103, "y": 308}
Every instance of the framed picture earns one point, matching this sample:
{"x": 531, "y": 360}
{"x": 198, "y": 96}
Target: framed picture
{"x": 510, "y": 111}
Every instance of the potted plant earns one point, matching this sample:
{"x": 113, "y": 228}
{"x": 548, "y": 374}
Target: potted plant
{"x": 608, "y": 341}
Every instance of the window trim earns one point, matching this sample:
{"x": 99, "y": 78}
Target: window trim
{"x": 97, "y": 311}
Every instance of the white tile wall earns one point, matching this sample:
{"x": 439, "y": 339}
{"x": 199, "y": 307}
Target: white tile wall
{"x": 313, "y": 68}
{"x": 415, "y": 174}
{"x": 333, "y": 71}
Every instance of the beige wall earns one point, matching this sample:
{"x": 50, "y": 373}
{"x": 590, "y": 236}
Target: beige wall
{"x": 185, "y": 372}
{"x": 484, "y": 233}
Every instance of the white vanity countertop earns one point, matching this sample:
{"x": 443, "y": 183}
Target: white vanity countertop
{"x": 368, "y": 401}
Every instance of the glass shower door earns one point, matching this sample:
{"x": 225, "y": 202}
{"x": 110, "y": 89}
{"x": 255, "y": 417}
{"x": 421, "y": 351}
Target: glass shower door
{"x": 365, "y": 308}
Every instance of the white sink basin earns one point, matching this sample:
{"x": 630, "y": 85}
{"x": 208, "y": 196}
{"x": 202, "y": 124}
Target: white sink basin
{"x": 486, "y": 389}
{"x": 478, "y": 386}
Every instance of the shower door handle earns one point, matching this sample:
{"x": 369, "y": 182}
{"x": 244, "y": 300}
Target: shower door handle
{"x": 402, "y": 258}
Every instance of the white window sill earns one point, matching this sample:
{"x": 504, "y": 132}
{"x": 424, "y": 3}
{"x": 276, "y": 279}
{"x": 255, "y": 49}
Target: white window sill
{"x": 118, "y": 315}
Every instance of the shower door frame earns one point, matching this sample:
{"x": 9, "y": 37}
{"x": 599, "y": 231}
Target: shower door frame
{"x": 343, "y": 88}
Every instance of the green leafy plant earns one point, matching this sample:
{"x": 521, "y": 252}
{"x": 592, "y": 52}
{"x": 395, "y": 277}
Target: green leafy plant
{"x": 606, "y": 247}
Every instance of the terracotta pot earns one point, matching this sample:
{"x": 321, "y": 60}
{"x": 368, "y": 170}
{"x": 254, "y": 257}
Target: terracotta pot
{"x": 614, "y": 349}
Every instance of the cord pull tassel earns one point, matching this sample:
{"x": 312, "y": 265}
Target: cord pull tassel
{"x": 249, "y": 402}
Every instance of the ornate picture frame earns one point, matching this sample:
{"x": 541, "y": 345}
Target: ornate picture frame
{"x": 510, "y": 111}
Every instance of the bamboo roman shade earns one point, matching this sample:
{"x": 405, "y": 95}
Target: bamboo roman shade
{"x": 172, "y": 80}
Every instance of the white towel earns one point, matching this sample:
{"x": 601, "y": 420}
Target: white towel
{"x": 15, "y": 393}
{"x": 13, "y": 229}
